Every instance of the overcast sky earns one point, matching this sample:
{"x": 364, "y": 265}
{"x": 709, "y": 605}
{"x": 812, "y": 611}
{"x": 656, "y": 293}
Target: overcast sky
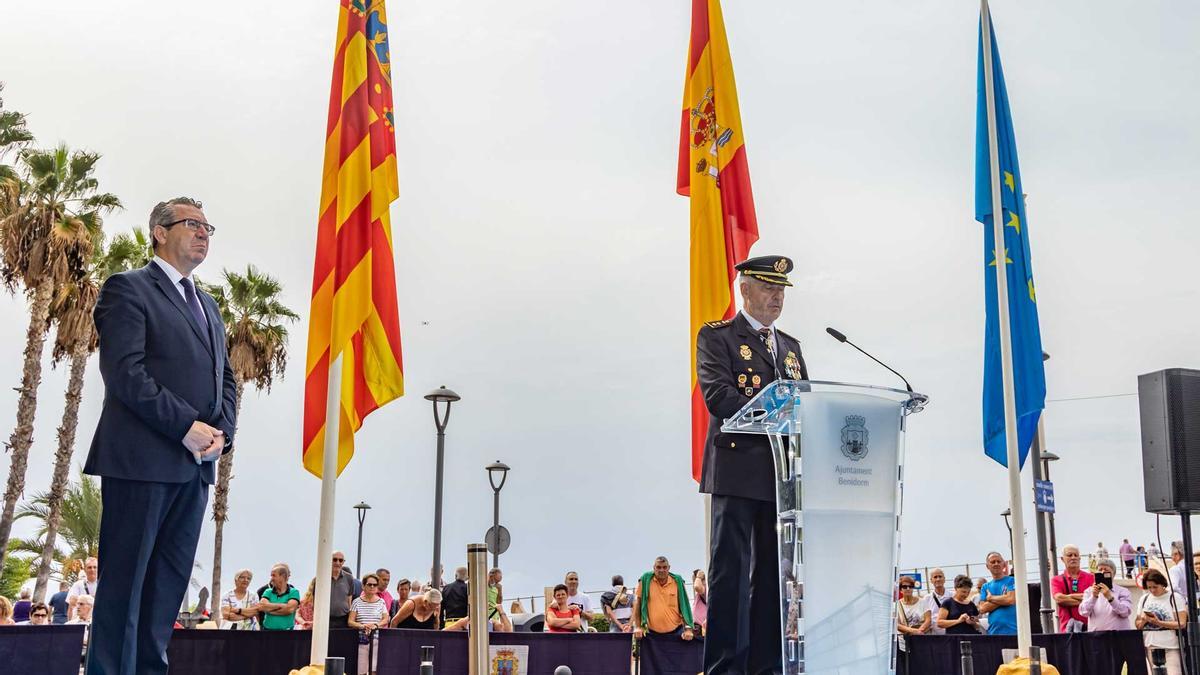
{"x": 541, "y": 252}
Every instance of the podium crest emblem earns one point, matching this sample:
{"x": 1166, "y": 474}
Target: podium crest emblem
{"x": 855, "y": 437}
{"x": 505, "y": 662}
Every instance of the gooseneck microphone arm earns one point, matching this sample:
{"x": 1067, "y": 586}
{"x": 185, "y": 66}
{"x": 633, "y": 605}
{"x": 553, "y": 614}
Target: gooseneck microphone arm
{"x": 840, "y": 337}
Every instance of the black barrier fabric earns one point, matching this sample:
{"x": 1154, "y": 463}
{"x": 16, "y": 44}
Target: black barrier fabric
{"x": 669, "y": 655}
{"x": 252, "y": 652}
{"x": 45, "y": 650}
{"x": 585, "y": 654}
{"x": 1071, "y": 653}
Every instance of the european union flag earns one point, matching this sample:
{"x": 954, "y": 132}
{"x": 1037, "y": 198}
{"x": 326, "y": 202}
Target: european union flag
{"x": 1028, "y": 373}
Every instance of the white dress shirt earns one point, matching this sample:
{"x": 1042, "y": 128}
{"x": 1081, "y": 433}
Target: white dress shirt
{"x": 176, "y": 276}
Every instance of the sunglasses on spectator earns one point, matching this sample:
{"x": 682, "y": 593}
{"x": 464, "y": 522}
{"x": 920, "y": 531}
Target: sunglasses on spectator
{"x": 339, "y": 560}
{"x": 904, "y": 587}
{"x": 371, "y": 585}
{"x": 39, "y": 615}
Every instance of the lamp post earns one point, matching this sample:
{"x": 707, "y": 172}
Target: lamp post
{"x": 1006, "y": 513}
{"x": 1048, "y": 457}
{"x": 439, "y": 395}
{"x": 496, "y": 469}
{"x": 1046, "y": 613}
{"x": 362, "y": 508}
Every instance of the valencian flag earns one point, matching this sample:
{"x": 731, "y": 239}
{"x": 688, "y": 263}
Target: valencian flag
{"x": 354, "y": 312}
{"x": 1029, "y": 375}
{"x": 714, "y": 173}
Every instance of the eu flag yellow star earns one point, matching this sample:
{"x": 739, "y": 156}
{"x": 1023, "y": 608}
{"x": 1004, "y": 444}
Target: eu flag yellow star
{"x": 1010, "y": 182}
{"x": 1007, "y": 260}
{"x": 1032, "y": 294}
{"x": 1014, "y": 221}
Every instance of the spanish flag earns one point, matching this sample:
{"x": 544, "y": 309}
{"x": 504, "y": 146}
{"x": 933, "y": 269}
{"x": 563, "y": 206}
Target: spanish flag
{"x": 713, "y": 172}
{"x": 354, "y": 312}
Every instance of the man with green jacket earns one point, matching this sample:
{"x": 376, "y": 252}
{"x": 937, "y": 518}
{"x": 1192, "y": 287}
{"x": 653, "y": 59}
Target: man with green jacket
{"x": 661, "y": 604}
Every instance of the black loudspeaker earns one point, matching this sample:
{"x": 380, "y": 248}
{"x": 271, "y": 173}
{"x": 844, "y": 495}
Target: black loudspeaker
{"x": 1170, "y": 411}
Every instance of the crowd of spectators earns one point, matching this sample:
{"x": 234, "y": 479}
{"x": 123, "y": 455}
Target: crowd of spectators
{"x": 660, "y": 604}
{"x": 1088, "y": 600}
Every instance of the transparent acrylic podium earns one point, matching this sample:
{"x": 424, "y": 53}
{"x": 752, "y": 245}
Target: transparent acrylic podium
{"x": 839, "y": 452}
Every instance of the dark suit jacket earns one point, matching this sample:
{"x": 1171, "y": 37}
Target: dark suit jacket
{"x": 160, "y": 376}
{"x": 729, "y": 356}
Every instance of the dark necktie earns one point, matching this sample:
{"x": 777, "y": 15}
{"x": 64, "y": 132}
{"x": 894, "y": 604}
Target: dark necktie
{"x": 193, "y": 303}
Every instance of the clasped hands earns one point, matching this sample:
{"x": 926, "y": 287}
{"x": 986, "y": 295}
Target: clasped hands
{"x": 204, "y": 442}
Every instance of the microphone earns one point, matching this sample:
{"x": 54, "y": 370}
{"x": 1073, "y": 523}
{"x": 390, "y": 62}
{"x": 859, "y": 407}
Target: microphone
{"x": 841, "y": 337}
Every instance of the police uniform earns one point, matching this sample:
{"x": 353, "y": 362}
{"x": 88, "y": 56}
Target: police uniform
{"x": 733, "y": 363}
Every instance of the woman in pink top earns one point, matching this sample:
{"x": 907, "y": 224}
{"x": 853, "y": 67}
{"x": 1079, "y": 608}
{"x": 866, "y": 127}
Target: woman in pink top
{"x": 1107, "y": 608}
{"x": 700, "y": 604}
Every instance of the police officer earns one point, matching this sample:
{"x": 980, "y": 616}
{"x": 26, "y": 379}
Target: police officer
{"x": 735, "y": 359}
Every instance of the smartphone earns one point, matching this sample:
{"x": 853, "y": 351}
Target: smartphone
{"x": 1105, "y": 579}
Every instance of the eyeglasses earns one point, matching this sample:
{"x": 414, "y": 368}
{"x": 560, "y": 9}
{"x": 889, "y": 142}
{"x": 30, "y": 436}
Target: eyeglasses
{"x": 193, "y": 225}
{"x": 39, "y": 615}
{"x": 339, "y": 560}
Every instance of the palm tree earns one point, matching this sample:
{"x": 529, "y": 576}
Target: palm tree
{"x": 14, "y": 135}
{"x": 256, "y": 339}
{"x": 76, "y": 340}
{"x": 46, "y": 241}
{"x": 76, "y": 522}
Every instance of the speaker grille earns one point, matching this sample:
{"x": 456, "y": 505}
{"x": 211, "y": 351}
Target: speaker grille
{"x": 1183, "y": 420}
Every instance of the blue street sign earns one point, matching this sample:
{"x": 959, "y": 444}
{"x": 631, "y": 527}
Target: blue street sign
{"x": 1043, "y": 496}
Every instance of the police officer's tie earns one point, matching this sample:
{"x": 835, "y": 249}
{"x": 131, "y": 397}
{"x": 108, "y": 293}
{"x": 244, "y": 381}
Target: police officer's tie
{"x": 768, "y": 338}
{"x": 193, "y": 303}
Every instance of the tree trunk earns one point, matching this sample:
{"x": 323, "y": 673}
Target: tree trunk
{"x": 22, "y": 435}
{"x": 62, "y": 464}
{"x": 220, "y": 513}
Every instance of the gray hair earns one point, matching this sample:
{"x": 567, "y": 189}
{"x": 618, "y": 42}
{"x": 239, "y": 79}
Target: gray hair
{"x": 1105, "y": 562}
{"x": 993, "y": 553}
{"x": 433, "y": 595}
{"x": 163, "y": 214}
{"x": 460, "y": 574}
{"x": 287, "y": 571}
{"x": 662, "y": 559}
{"x": 85, "y": 600}
{"x": 245, "y": 571}
{"x": 1177, "y": 547}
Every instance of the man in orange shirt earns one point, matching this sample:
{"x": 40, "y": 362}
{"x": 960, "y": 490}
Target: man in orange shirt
{"x": 661, "y": 604}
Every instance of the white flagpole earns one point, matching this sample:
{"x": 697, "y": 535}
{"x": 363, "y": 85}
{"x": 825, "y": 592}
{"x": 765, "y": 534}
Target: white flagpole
{"x": 320, "y": 629}
{"x": 1024, "y": 635}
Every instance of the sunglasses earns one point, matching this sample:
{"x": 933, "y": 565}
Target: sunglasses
{"x": 371, "y": 585}
{"x": 39, "y": 616}
{"x": 907, "y": 587}
{"x": 339, "y": 560}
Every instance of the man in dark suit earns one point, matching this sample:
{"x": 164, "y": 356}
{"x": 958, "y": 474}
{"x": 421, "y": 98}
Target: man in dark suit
{"x": 735, "y": 359}
{"x": 169, "y": 412}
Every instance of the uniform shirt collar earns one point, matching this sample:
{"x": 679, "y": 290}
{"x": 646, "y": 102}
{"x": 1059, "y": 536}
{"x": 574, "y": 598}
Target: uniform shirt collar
{"x": 173, "y": 274}
{"x": 755, "y": 323}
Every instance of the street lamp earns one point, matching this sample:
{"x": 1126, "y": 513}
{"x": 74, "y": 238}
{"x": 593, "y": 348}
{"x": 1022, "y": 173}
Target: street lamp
{"x": 439, "y": 395}
{"x": 1006, "y": 513}
{"x": 362, "y": 508}
{"x": 497, "y": 470}
{"x": 1047, "y": 458}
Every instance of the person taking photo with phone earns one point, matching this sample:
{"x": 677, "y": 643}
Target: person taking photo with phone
{"x": 1106, "y": 605}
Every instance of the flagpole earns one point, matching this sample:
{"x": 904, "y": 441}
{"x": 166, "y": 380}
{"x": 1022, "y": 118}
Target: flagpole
{"x": 1024, "y": 636}
{"x": 320, "y": 629}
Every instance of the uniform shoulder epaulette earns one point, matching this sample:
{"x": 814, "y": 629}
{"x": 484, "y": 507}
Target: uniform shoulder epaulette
{"x": 719, "y": 324}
